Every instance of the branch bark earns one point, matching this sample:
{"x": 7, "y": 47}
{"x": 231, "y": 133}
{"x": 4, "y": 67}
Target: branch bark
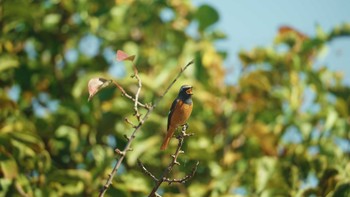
{"x": 164, "y": 177}
{"x": 141, "y": 121}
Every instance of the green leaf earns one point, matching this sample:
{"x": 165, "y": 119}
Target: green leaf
{"x": 342, "y": 190}
{"x": 28, "y": 138}
{"x": 70, "y": 181}
{"x": 264, "y": 169}
{"x": 66, "y": 138}
{"x": 70, "y": 176}
{"x": 8, "y": 167}
{"x": 8, "y": 62}
{"x": 331, "y": 118}
{"x": 206, "y": 16}
{"x": 140, "y": 148}
{"x": 135, "y": 182}
{"x": 51, "y": 20}
{"x": 5, "y": 185}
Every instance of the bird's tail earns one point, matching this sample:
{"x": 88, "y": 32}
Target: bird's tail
{"x": 167, "y": 138}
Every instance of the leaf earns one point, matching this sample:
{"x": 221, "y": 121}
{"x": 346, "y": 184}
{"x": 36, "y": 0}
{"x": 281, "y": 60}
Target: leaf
{"x": 66, "y": 138}
{"x": 141, "y": 148}
{"x": 265, "y": 168}
{"x": 5, "y": 185}
{"x": 328, "y": 181}
{"x": 135, "y": 183}
{"x": 8, "y": 167}
{"x": 71, "y": 181}
{"x": 29, "y": 139}
{"x": 286, "y": 30}
{"x": 8, "y": 62}
{"x": 122, "y": 56}
{"x": 95, "y": 85}
{"x": 71, "y": 176}
{"x": 206, "y": 16}
{"x": 342, "y": 190}
{"x": 331, "y": 119}
{"x": 257, "y": 79}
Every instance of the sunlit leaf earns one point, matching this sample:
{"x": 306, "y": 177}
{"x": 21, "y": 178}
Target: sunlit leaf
{"x": 331, "y": 118}
{"x": 8, "y": 167}
{"x": 135, "y": 183}
{"x": 8, "y": 62}
{"x": 141, "y": 148}
{"x": 95, "y": 85}
{"x": 264, "y": 170}
{"x": 28, "y": 139}
{"x": 66, "y": 138}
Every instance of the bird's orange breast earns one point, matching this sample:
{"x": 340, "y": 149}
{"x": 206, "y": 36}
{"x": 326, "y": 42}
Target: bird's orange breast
{"x": 181, "y": 113}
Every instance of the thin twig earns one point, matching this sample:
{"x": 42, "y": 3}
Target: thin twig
{"x": 149, "y": 108}
{"x": 127, "y": 147}
{"x": 184, "y": 179}
{"x": 144, "y": 170}
{"x": 174, "y": 162}
{"x": 128, "y": 96}
{"x": 136, "y": 75}
{"x": 172, "y": 83}
{"x": 129, "y": 122}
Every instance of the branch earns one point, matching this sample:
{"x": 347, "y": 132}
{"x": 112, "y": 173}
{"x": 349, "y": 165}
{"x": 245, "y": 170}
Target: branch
{"x": 141, "y": 121}
{"x": 137, "y": 114}
{"x": 172, "y": 83}
{"x": 184, "y": 179}
{"x": 181, "y": 137}
{"x": 144, "y": 170}
{"x": 128, "y": 96}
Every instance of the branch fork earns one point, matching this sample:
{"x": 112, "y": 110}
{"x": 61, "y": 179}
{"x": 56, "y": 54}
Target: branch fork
{"x": 181, "y": 137}
{"x": 99, "y": 84}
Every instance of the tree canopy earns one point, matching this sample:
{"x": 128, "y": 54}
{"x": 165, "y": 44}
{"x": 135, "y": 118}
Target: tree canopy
{"x": 282, "y": 130}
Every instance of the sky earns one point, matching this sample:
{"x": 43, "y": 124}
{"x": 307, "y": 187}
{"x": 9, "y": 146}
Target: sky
{"x": 251, "y": 23}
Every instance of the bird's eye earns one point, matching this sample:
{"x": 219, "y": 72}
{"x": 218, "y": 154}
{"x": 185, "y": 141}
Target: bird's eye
{"x": 189, "y": 91}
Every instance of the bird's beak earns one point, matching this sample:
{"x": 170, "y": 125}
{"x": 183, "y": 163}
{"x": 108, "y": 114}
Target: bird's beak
{"x": 189, "y": 91}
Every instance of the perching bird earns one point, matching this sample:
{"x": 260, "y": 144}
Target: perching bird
{"x": 179, "y": 113}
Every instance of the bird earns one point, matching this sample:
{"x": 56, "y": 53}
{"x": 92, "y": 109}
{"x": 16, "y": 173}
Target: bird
{"x": 179, "y": 113}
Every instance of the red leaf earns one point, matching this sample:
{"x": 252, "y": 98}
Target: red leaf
{"x": 122, "y": 56}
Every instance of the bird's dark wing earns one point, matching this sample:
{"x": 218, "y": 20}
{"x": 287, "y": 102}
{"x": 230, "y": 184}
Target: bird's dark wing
{"x": 171, "y": 111}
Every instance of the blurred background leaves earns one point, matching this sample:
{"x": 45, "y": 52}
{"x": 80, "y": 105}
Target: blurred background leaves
{"x": 283, "y": 130}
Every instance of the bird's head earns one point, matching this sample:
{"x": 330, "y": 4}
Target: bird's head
{"x": 185, "y": 90}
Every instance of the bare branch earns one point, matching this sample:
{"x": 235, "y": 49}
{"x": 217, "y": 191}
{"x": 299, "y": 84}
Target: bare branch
{"x": 137, "y": 114}
{"x": 126, "y": 137}
{"x": 119, "y": 152}
{"x": 173, "y": 82}
{"x": 141, "y": 121}
{"x": 129, "y": 122}
{"x": 128, "y": 96}
{"x": 144, "y": 170}
{"x": 184, "y": 179}
{"x": 174, "y": 161}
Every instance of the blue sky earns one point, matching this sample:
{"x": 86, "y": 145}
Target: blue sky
{"x": 251, "y": 23}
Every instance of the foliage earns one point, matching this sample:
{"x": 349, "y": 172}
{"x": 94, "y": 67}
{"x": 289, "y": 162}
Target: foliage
{"x": 55, "y": 143}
